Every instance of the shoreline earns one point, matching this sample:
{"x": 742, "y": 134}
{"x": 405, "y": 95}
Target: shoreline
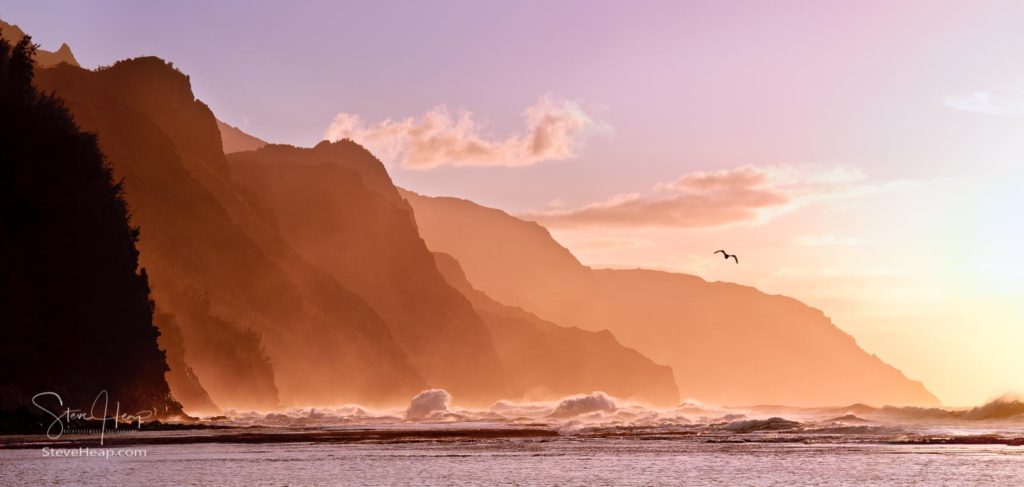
{"x": 206, "y": 434}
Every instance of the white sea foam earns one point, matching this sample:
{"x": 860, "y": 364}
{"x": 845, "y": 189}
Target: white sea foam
{"x": 428, "y": 403}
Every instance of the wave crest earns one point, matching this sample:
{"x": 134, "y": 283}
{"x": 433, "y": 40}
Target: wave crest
{"x": 428, "y": 403}
{"x": 590, "y": 403}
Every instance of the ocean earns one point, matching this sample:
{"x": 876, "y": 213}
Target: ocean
{"x": 581, "y": 441}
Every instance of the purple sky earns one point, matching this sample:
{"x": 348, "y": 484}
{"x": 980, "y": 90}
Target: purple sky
{"x": 683, "y": 85}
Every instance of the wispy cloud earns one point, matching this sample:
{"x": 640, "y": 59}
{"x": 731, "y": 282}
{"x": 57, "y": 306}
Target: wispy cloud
{"x": 555, "y": 130}
{"x": 826, "y": 240}
{"x": 710, "y": 199}
{"x": 989, "y": 102}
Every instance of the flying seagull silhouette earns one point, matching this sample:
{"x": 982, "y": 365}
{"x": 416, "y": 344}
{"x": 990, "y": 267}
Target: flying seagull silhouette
{"x": 727, "y": 255}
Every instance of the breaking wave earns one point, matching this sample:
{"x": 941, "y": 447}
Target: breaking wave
{"x": 428, "y": 403}
{"x": 591, "y": 403}
{"x": 600, "y": 410}
{"x": 770, "y": 424}
{"x": 1002, "y": 408}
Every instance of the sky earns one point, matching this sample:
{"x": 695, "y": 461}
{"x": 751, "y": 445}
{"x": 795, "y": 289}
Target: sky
{"x": 864, "y": 157}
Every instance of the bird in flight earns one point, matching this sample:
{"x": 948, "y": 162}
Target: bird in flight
{"x": 727, "y": 255}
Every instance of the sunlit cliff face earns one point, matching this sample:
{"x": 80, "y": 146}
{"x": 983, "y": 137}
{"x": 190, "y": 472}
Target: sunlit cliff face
{"x": 917, "y": 272}
{"x": 727, "y": 344}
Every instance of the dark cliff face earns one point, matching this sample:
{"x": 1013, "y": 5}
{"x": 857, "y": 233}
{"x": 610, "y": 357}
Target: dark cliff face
{"x": 336, "y": 205}
{"x": 260, "y": 324}
{"x": 77, "y": 315}
{"x": 546, "y": 361}
{"x": 726, "y": 343}
{"x": 181, "y": 378}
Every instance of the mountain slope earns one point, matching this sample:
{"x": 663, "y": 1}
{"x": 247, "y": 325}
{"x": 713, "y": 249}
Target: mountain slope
{"x": 43, "y": 58}
{"x": 547, "y": 361}
{"x": 726, "y": 343}
{"x": 736, "y": 345}
{"x": 261, "y": 326}
{"x": 336, "y": 205}
{"x": 77, "y": 314}
{"x": 234, "y": 140}
{"x": 182, "y": 380}
{"x": 517, "y": 263}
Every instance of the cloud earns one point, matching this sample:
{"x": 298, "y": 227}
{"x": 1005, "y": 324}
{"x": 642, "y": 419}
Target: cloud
{"x": 710, "y": 199}
{"x": 826, "y": 240}
{"x": 996, "y": 102}
{"x": 555, "y": 130}
{"x": 555, "y": 203}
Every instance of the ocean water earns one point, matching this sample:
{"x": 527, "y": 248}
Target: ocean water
{"x": 560, "y": 461}
{"x": 584, "y": 440}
